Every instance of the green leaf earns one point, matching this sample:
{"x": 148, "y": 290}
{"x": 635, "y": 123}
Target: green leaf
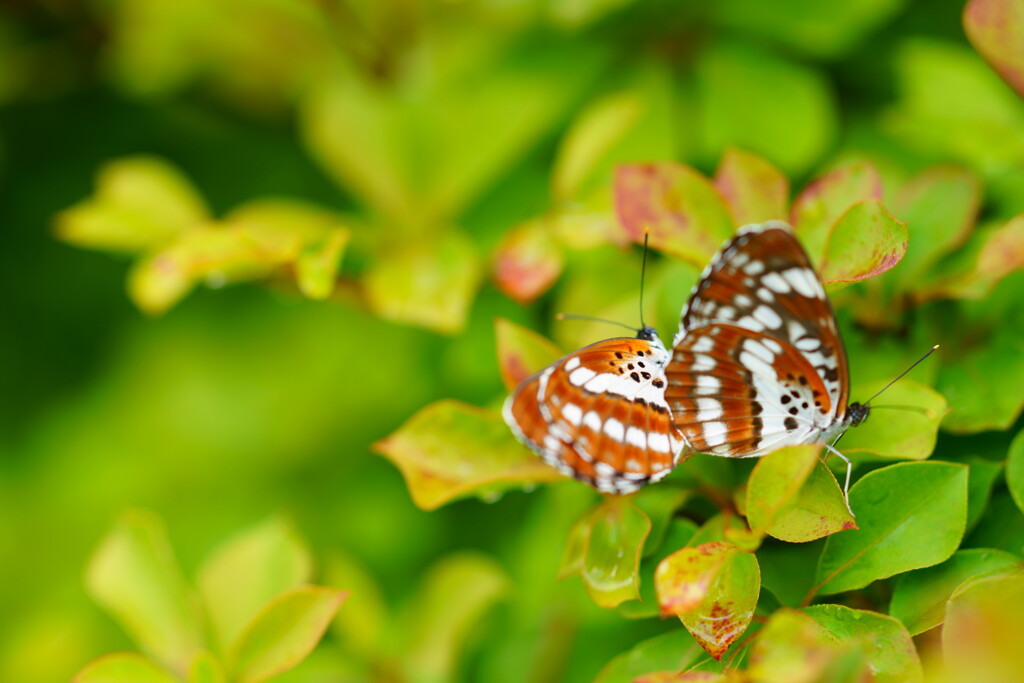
{"x": 750, "y": 98}
{"x": 124, "y": 667}
{"x": 909, "y": 436}
{"x": 134, "y": 576}
{"x": 1015, "y": 470}
{"x": 455, "y": 595}
{"x": 793, "y": 648}
{"x": 940, "y": 207}
{"x": 528, "y": 261}
{"x": 866, "y": 241}
{"x": 787, "y": 569}
{"x": 821, "y": 204}
{"x": 983, "y": 475}
{"x": 776, "y": 481}
{"x": 675, "y": 650}
{"x": 984, "y": 628}
{"x": 889, "y": 650}
{"x": 753, "y": 188}
{"x": 659, "y": 503}
{"x": 205, "y": 668}
{"x": 818, "y": 510}
{"x": 911, "y": 515}
{"x": 685, "y": 214}
{"x": 139, "y": 203}
{"x": 450, "y": 450}
{"x": 283, "y": 633}
{"x": 713, "y": 589}
{"x": 1001, "y": 525}
{"x": 996, "y": 30}
{"x": 521, "y": 352}
{"x": 271, "y": 557}
{"x": 361, "y": 626}
{"x": 611, "y": 562}
{"x": 919, "y": 599}
{"x": 430, "y": 283}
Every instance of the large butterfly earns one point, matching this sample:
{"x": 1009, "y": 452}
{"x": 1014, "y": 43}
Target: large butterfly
{"x": 758, "y": 362}
{"x": 600, "y": 415}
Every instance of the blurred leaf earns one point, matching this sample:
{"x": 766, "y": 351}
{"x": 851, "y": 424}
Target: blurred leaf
{"x": 611, "y": 561}
{"x": 952, "y": 105}
{"x": 455, "y": 595}
{"x": 675, "y": 650}
{"x": 751, "y": 98}
{"x": 866, "y": 241}
{"x": 659, "y": 503}
{"x": 823, "y": 31}
{"x": 635, "y": 124}
{"x": 793, "y": 648}
{"x": 940, "y": 207}
{"x": 528, "y": 261}
{"x": 713, "y": 589}
{"x": 135, "y": 577}
{"x": 1001, "y": 525}
{"x": 981, "y": 383}
{"x": 889, "y": 650}
{"x": 361, "y": 625}
{"x": 983, "y": 628}
{"x": 974, "y": 271}
{"x": 787, "y": 569}
{"x": 284, "y": 633}
{"x": 686, "y": 216}
{"x": 430, "y": 283}
{"x": 754, "y": 190}
{"x": 1015, "y": 470}
{"x": 678, "y": 534}
{"x": 919, "y": 599}
{"x": 317, "y": 266}
{"x": 824, "y": 201}
{"x": 911, "y": 436}
{"x": 205, "y": 669}
{"x": 123, "y": 667}
{"x": 450, "y": 450}
{"x": 981, "y": 479}
{"x": 247, "y": 571}
{"x": 521, "y": 352}
{"x": 139, "y": 203}
{"x": 209, "y": 252}
{"x": 911, "y": 515}
{"x": 996, "y": 30}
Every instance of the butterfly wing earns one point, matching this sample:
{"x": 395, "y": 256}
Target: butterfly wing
{"x": 600, "y": 415}
{"x": 737, "y": 393}
{"x": 763, "y": 281}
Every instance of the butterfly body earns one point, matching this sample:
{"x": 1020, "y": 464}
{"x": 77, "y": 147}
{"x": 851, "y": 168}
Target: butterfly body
{"x": 599, "y": 414}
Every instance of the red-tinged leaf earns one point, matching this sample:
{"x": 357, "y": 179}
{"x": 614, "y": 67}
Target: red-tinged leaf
{"x": 521, "y": 352}
{"x": 713, "y": 588}
{"x": 753, "y": 188}
{"x": 450, "y": 450}
{"x": 822, "y": 203}
{"x": 1000, "y": 252}
{"x": 528, "y": 261}
{"x": 611, "y": 562}
{"x": 685, "y": 214}
{"x": 677, "y": 677}
{"x": 866, "y": 241}
{"x": 996, "y": 30}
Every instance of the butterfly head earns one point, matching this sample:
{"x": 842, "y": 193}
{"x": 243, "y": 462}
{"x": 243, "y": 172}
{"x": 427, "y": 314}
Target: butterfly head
{"x": 856, "y": 413}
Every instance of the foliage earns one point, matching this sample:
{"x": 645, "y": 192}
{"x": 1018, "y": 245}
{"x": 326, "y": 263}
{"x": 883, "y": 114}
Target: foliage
{"x": 402, "y": 196}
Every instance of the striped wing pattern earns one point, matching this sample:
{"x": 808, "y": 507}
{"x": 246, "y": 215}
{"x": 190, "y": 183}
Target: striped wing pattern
{"x": 600, "y": 414}
{"x": 758, "y": 363}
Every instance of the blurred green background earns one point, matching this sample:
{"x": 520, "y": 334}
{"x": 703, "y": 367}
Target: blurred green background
{"x": 416, "y": 121}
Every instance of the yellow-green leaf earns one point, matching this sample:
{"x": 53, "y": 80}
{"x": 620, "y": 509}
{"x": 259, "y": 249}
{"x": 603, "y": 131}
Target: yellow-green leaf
{"x": 124, "y": 667}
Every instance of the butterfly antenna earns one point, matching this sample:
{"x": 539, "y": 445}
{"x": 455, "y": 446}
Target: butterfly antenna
{"x": 900, "y": 376}
{"x": 643, "y": 272}
{"x": 577, "y": 316}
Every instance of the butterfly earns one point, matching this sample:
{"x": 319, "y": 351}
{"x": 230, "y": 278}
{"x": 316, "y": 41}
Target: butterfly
{"x": 600, "y": 415}
{"x": 758, "y": 363}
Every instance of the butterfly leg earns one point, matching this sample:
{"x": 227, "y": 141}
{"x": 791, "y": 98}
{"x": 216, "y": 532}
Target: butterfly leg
{"x": 849, "y": 470}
